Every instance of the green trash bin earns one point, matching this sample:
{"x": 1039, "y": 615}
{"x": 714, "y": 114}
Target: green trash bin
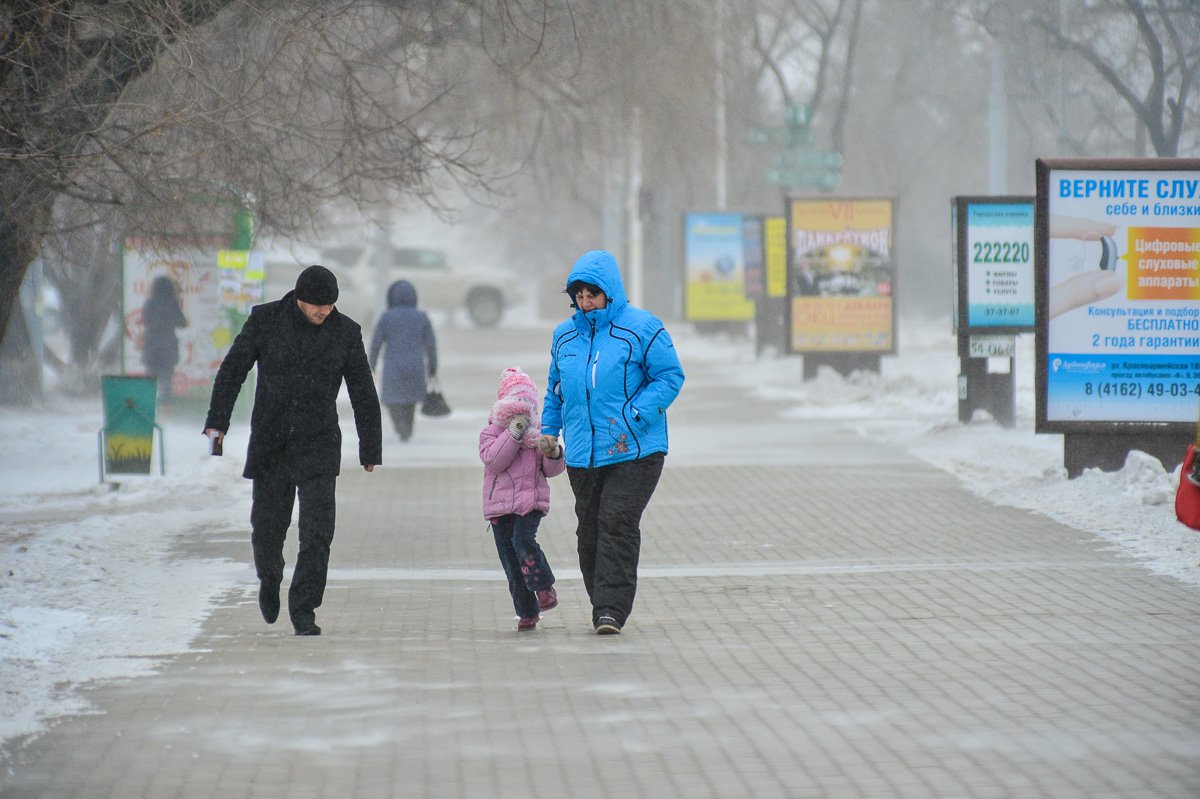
{"x": 126, "y": 443}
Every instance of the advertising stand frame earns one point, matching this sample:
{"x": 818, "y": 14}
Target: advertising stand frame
{"x": 770, "y": 328}
{"x": 978, "y": 345}
{"x": 1105, "y": 439}
{"x": 714, "y": 302}
{"x": 847, "y": 360}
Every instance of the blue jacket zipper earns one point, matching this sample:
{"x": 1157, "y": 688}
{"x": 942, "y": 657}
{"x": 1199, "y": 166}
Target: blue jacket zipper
{"x": 587, "y": 388}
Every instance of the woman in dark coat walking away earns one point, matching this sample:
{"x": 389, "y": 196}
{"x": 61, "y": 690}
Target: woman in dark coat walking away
{"x": 410, "y": 356}
{"x": 161, "y": 314}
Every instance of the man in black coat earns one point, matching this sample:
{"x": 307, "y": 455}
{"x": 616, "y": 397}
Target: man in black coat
{"x": 304, "y": 349}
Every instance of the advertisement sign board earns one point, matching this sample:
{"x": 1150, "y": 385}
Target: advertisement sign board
{"x": 841, "y": 275}
{"x": 994, "y": 276}
{"x": 128, "y": 434}
{"x": 715, "y": 269}
{"x": 1118, "y": 288}
{"x": 752, "y": 256}
{"x": 217, "y": 288}
{"x": 775, "y": 246}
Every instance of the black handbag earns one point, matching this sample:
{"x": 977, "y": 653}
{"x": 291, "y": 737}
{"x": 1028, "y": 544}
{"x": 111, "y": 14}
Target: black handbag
{"x": 435, "y": 403}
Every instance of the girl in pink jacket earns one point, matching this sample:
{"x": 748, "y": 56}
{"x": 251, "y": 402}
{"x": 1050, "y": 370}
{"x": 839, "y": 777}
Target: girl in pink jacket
{"x": 516, "y": 494}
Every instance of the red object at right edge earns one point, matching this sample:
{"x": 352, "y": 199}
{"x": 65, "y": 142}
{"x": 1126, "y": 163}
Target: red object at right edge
{"x": 1187, "y": 498}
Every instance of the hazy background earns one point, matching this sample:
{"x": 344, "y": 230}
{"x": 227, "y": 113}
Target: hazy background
{"x": 520, "y": 133}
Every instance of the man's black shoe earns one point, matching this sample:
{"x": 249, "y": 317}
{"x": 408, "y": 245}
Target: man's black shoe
{"x": 607, "y": 625}
{"x": 268, "y": 600}
{"x": 309, "y": 628}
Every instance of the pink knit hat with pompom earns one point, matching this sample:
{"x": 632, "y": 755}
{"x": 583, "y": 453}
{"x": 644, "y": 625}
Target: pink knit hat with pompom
{"x": 515, "y": 384}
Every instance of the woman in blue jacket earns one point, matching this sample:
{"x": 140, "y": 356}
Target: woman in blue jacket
{"x": 613, "y": 373}
{"x": 411, "y": 355}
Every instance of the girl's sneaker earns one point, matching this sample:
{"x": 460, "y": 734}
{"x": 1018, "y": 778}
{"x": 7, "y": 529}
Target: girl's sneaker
{"x": 547, "y": 599}
{"x": 527, "y": 623}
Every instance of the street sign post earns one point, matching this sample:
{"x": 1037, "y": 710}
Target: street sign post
{"x": 812, "y": 159}
{"x": 827, "y": 179}
{"x": 797, "y": 164}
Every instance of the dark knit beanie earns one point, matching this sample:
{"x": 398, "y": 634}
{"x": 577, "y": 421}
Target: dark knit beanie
{"x": 317, "y": 286}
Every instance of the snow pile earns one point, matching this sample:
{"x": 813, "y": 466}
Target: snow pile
{"x": 99, "y": 595}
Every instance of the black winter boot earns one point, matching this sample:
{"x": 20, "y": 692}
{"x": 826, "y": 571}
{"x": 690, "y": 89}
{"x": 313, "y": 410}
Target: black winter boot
{"x": 268, "y": 600}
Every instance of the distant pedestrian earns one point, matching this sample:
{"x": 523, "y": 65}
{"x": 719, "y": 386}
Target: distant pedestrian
{"x": 405, "y": 334}
{"x": 613, "y": 373}
{"x": 516, "y": 494}
{"x": 304, "y": 349}
{"x": 162, "y": 314}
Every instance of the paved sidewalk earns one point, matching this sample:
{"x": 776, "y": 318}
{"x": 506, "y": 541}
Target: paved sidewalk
{"x": 798, "y": 633}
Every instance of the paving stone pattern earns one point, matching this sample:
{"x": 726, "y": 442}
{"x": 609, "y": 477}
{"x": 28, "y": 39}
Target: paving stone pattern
{"x": 800, "y": 631}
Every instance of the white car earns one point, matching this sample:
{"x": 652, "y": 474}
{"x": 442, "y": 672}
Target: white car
{"x": 365, "y": 272}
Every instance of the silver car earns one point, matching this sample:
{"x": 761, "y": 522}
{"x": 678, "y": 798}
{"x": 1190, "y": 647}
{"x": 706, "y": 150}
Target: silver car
{"x": 364, "y": 274}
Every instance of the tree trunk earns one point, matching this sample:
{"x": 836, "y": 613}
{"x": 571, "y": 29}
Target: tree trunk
{"x": 84, "y": 266}
{"x": 20, "y": 376}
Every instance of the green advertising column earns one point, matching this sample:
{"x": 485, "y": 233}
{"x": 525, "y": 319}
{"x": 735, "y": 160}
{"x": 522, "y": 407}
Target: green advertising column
{"x": 127, "y": 440}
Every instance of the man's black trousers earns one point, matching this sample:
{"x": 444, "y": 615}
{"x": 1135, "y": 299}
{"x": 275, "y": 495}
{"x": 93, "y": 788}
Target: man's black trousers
{"x": 270, "y": 516}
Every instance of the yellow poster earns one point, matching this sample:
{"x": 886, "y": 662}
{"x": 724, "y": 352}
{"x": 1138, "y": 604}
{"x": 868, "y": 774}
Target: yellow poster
{"x": 775, "y": 235}
{"x": 724, "y": 302}
{"x": 842, "y": 324}
{"x": 841, "y": 275}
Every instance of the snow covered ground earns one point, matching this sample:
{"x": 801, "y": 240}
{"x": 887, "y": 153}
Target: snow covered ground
{"x": 913, "y": 405}
{"x": 92, "y": 586}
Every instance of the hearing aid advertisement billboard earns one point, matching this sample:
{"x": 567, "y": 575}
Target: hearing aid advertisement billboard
{"x": 1118, "y": 293}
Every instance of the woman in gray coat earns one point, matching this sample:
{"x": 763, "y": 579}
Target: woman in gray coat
{"x": 411, "y": 355}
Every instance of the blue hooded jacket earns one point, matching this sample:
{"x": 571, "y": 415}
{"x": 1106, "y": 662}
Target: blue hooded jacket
{"x": 613, "y": 373}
